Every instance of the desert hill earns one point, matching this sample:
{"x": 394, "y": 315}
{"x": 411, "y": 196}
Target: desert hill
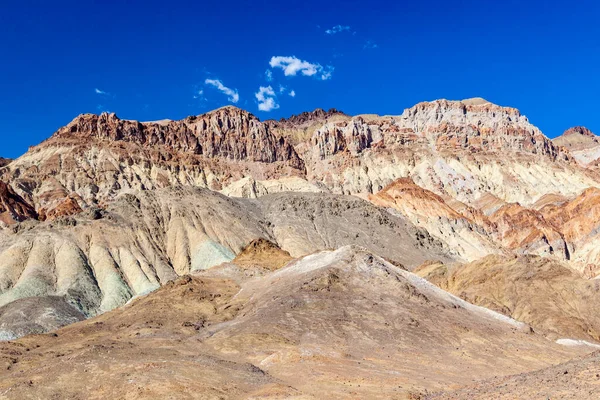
{"x": 339, "y": 323}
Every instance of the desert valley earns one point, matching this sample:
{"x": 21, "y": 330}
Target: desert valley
{"x": 447, "y": 252}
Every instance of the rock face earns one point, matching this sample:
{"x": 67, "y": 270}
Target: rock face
{"x": 4, "y": 162}
{"x": 96, "y": 157}
{"x": 470, "y": 235}
{"x": 12, "y": 206}
{"x": 305, "y": 118}
{"x": 450, "y": 148}
{"x": 228, "y": 133}
{"x": 341, "y": 324}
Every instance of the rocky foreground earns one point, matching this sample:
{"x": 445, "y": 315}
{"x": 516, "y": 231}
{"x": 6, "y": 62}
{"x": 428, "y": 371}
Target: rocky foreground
{"x": 221, "y": 256}
{"x": 342, "y": 324}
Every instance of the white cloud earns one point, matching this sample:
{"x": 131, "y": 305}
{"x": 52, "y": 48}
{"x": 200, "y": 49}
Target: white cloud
{"x": 326, "y": 73}
{"x": 282, "y": 88}
{"x": 266, "y": 99}
{"x": 199, "y": 94}
{"x": 292, "y": 93}
{"x": 101, "y": 92}
{"x": 232, "y": 94}
{"x": 370, "y": 45}
{"x": 337, "y": 29}
{"x": 269, "y": 75}
{"x": 292, "y": 65}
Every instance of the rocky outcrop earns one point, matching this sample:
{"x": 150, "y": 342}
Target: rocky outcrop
{"x": 262, "y": 253}
{"x": 478, "y": 127}
{"x": 308, "y": 117}
{"x": 470, "y": 236}
{"x": 578, "y": 219}
{"x": 228, "y": 132}
{"x": 4, "y": 162}
{"x": 579, "y": 130}
{"x": 96, "y": 157}
{"x": 462, "y": 150}
{"x": 526, "y": 231}
{"x": 12, "y": 206}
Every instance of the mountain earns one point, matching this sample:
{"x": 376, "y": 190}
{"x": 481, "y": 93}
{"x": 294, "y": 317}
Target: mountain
{"x": 464, "y": 150}
{"x": 340, "y": 324}
{"x": 582, "y": 143}
{"x": 107, "y": 208}
{"x": 224, "y": 256}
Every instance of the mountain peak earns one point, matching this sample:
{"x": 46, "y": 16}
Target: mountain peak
{"x": 579, "y": 130}
{"x": 318, "y": 114}
{"x": 475, "y": 101}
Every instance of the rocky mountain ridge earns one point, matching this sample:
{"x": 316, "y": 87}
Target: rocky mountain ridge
{"x": 448, "y": 147}
{"x": 462, "y": 156}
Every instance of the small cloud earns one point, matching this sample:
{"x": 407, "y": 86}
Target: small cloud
{"x": 102, "y": 108}
{"x": 269, "y": 75}
{"x": 326, "y": 73}
{"x": 282, "y": 88}
{"x": 266, "y": 99}
{"x": 337, "y": 29}
{"x": 292, "y": 93}
{"x": 232, "y": 94}
{"x": 199, "y": 94}
{"x": 101, "y": 92}
{"x": 292, "y": 65}
{"x": 370, "y": 45}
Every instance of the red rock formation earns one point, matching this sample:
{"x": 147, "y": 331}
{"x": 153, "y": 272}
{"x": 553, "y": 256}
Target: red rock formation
{"x": 309, "y": 116}
{"x": 12, "y": 206}
{"x": 579, "y": 130}
{"x": 228, "y": 132}
{"x": 527, "y": 231}
{"x": 68, "y": 206}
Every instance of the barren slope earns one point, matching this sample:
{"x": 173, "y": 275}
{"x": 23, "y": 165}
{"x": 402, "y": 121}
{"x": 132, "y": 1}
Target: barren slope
{"x": 98, "y": 260}
{"x": 578, "y": 379}
{"x": 342, "y": 324}
{"x": 548, "y": 295}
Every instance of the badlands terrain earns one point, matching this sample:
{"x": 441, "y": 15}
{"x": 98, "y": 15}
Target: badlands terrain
{"x": 450, "y": 251}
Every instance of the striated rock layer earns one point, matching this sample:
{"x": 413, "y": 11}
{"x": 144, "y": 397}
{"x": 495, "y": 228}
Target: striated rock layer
{"x": 463, "y": 150}
{"x": 100, "y": 260}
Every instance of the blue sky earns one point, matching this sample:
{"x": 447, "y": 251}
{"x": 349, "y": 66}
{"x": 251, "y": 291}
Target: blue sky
{"x": 151, "y": 60}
